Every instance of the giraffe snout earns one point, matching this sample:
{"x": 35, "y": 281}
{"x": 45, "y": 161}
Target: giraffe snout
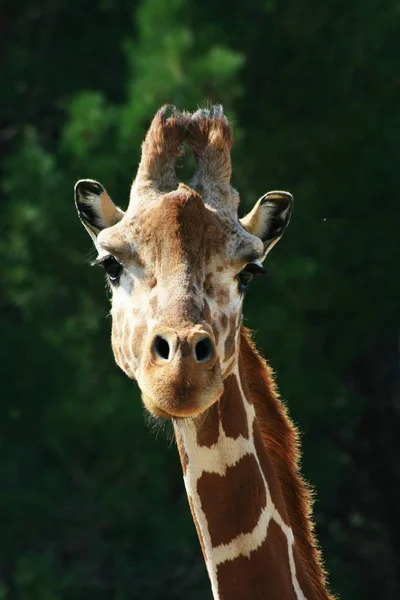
{"x": 192, "y": 348}
{"x": 181, "y": 374}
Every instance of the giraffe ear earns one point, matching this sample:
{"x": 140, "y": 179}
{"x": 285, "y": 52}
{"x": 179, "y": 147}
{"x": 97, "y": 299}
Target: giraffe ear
{"x": 95, "y": 208}
{"x": 269, "y": 218}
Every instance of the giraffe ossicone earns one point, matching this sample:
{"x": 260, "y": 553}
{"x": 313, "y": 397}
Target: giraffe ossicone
{"x": 179, "y": 261}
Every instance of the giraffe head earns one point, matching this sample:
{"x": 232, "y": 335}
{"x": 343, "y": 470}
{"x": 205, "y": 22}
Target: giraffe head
{"x": 179, "y": 261}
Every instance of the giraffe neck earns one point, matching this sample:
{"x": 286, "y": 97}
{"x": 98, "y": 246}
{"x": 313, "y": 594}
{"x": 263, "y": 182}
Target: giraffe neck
{"x": 234, "y": 485}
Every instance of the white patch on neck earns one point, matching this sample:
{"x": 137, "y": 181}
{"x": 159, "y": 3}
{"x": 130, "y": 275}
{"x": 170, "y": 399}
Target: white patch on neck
{"x": 216, "y": 459}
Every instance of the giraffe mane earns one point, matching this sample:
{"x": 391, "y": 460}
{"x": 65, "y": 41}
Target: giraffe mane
{"x": 281, "y": 440}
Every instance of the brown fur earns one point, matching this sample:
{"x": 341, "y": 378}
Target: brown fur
{"x": 265, "y": 584}
{"x": 182, "y": 452}
{"x": 270, "y": 475}
{"x": 232, "y": 411}
{"x": 210, "y": 137}
{"x": 230, "y": 340}
{"x": 227, "y": 519}
{"x": 160, "y": 148}
{"x": 208, "y": 429}
{"x": 280, "y": 439}
{"x": 140, "y": 335}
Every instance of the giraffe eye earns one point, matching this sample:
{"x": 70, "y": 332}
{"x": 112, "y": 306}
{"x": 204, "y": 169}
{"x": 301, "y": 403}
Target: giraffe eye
{"x": 244, "y": 280}
{"x": 113, "y": 269}
{"x": 248, "y": 274}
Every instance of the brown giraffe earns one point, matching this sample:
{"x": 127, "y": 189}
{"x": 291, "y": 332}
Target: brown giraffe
{"x": 179, "y": 261}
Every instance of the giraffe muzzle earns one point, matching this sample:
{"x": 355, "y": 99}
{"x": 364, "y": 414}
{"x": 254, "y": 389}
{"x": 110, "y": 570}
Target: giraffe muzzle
{"x": 181, "y": 375}
{"x": 197, "y": 347}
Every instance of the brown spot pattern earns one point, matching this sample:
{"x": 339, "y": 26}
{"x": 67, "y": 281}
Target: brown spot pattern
{"x": 138, "y": 337}
{"x": 233, "y": 502}
{"x": 208, "y": 427}
{"x": 232, "y": 410}
{"x": 152, "y": 282}
{"x": 230, "y": 340}
{"x": 265, "y": 575}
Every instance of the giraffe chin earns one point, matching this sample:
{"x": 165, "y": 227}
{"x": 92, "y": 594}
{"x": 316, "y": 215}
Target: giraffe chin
{"x": 176, "y": 409}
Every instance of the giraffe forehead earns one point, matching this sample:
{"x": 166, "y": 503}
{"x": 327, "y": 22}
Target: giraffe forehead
{"x": 173, "y": 233}
{"x": 178, "y": 228}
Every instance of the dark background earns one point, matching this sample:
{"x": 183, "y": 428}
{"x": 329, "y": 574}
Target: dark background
{"x": 92, "y": 503}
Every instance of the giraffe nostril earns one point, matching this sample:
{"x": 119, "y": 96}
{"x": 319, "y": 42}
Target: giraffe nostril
{"x": 161, "y": 347}
{"x": 203, "y": 350}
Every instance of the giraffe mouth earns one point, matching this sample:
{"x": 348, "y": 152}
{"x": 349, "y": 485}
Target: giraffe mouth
{"x": 183, "y": 383}
{"x": 183, "y": 405}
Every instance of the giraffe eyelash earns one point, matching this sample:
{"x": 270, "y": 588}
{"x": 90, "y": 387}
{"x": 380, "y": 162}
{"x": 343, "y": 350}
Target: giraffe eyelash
{"x": 112, "y": 267}
{"x": 99, "y": 261}
{"x": 247, "y": 275}
{"x": 255, "y": 269}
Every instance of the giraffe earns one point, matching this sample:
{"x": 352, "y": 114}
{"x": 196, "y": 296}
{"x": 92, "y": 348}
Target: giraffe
{"x": 179, "y": 261}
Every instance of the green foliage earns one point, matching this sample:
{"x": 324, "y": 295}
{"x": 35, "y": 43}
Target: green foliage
{"x": 92, "y": 504}
{"x": 168, "y": 66}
